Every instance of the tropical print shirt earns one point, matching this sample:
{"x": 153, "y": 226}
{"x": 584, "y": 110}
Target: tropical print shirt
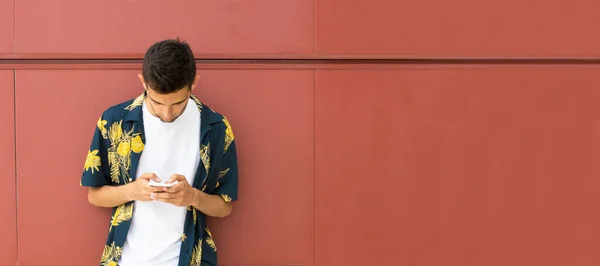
{"x": 113, "y": 157}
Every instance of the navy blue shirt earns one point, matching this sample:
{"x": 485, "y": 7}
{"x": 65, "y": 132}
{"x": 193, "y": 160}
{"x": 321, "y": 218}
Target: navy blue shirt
{"x": 113, "y": 157}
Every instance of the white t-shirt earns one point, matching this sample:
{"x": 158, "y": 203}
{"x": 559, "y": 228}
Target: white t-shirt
{"x": 156, "y": 229}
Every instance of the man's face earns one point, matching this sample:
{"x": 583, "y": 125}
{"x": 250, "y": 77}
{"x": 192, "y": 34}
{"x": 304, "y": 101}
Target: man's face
{"x": 167, "y": 107}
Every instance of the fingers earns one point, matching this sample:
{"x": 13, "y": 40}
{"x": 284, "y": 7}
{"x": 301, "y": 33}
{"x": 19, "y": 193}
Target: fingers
{"x": 174, "y": 189}
{"x": 152, "y": 189}
{"x": 144, "y": 196}
{"x": 150, "y": 176}
{"x": 144, "y": 193}
{"x": 176, "y": 177}
{"x": 174, "y": 199}
{"x": 162, "y": 196}
{"x": 174, "y": 195}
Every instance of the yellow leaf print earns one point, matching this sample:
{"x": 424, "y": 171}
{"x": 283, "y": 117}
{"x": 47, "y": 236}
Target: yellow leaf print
{"x": 136, "y": 102}
{"x": 196, "y": 258}
{"x": 114, "y": 165}
{"x": 205, "y": 156}
{"x": 208, "y": 232}
{"x": 119, "y": 152}
{"x": 116, "y": 132}
{"x": 194, "y": 215}
{"x": 226, "y": 197}
{"x": 111, "y": 255}
{"x": 209, "y": 240}
{"x": 193, "y": 210}
{"x": 229, "y": 137}
{"x": 221, "y": 175}
{"x": 136, "y": 144}
{"x": 101, "y": 123}
{"x": 92, "y": 161}
{"x": 123, "y": 149}
{"x": 183, "y": 238}
{"x": 211, "y": 243}
{"x": 198, "y": 103}
{"x": 123, "y": 213}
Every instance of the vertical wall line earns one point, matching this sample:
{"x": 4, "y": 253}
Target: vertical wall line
{"x": 15, "y": 158}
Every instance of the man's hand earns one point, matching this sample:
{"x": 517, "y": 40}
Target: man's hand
{"x": 141, "y": 190}
{"x": 181, "y": 194}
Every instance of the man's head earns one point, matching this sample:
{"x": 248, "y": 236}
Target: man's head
{"x": 168, "y": 75}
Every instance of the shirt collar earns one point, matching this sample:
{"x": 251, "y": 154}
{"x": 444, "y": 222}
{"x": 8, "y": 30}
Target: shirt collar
{"x": 207, "y": 115}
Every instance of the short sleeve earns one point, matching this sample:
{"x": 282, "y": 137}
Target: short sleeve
{"x": 227, "y": 182}
{"x": 94, "y": 173}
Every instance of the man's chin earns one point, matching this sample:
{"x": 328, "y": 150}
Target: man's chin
{"x": 168, "y": 121}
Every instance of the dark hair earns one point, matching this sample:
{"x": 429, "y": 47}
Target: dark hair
{"x": 169, "y": 66}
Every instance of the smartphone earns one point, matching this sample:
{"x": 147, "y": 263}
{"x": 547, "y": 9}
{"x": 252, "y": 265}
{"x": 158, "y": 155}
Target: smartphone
{"x": 155, "y": 184}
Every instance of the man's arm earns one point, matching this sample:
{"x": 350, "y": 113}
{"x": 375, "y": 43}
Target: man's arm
{"x": 108, "y": 196}
{"x": 219, "y": 202}
{"x": 182, "y": 194}
{"x": 211, "y": 205}
{"x": 111, "y": 196}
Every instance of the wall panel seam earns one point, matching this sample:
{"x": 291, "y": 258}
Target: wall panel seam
{"x": 318, "y": 61}
{"x": 15, "y": 162}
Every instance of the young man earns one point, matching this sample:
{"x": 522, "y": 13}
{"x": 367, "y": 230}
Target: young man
{"x": 166, "y": 136}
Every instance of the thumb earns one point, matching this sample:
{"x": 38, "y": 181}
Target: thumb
{"x": 150, "y": 176}
{"x": 176, "y": 177}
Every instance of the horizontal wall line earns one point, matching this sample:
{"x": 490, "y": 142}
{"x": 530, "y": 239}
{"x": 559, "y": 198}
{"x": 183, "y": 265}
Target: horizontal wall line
{"x": 296, "y": 56}
{"x": 289, "y": 63}
{"x": 410, "y": 61}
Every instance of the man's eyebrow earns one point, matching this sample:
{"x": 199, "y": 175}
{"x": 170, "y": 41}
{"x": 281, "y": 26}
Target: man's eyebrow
{"x": 181, "y": 101}
{"x": 154, "y": 100}
{"x": 162, "y": 103}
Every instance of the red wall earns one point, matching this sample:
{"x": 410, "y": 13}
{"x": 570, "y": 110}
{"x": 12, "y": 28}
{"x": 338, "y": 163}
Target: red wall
{"x": 341, "y": 163}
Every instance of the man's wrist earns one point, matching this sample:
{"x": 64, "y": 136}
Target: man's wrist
{"x": 126, "y": 192}
{"x": 199, "y": 197}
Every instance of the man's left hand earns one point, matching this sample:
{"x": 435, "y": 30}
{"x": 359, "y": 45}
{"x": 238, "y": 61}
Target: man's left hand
{"x": 181, "y": 194}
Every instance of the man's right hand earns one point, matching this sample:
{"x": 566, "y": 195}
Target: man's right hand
{"x": 141, "y": 190}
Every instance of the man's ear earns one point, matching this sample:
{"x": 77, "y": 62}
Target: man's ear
{"x": 141, "y": 77}
{"x": 195, "y": 81}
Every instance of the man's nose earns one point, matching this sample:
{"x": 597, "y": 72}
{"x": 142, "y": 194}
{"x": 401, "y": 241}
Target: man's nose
{"x": 167, "y": 115}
